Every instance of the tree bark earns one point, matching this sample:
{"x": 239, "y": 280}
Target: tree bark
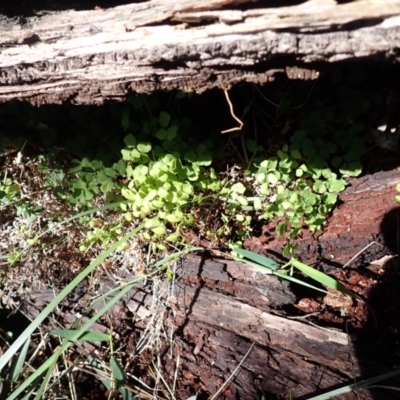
{"x": 90, "y": 57}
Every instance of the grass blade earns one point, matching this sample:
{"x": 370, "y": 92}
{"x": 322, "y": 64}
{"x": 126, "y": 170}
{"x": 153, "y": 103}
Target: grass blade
{"x": 117, "y": 371}
{"x": 323, "y": 279}
{"x": 258, "y": 258}
{"x": 55, "y": 302}
{"x": 298, "y": 281}
{"x": 20, "y": 360}
{"x": 87, "y": 336}
{"x": 53, "y": 359}
{"x": 355, "y": 386}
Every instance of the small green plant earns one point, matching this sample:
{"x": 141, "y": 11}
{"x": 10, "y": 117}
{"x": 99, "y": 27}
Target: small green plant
{"x": 101, "y": 233}
{"x": 268, "y": 266}
{"x": 93, "y": 178}
{"x": 8, "y": 191}
{"x": 167, "y": 177}
{"x": 300, "y": 185}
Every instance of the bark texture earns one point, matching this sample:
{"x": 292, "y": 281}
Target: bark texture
{"x": 89, "y": 57}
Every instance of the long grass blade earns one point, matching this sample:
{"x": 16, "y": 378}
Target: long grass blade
{"x": 258, "y": 258}
{"x": 54, "y": 303}
{"x": 355, "y": 386}
{"x": 53, "y": 359}
{"x": 87, "y": 336}
{"x": 323, "y": 279}
{"x": 20, "y": 361}
{"x": 298, "y": 281}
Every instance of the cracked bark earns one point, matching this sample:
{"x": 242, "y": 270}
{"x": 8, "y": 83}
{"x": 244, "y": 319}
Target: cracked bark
{"x": 89, "y": 57}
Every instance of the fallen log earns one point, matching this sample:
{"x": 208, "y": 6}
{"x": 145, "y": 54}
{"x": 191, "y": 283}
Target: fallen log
{"x": 89, "y": 57}
{"x": 220, "y": 308}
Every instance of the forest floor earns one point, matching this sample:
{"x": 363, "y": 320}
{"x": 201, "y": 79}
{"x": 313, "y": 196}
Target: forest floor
{"x": 42, "y": 153}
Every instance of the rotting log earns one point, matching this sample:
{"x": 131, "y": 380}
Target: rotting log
{"x": 221, "y": 307}
{"x": 89, "y": 57}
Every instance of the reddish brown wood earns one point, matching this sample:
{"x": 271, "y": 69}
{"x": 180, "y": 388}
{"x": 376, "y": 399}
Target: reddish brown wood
{"x": 219, "y": 309}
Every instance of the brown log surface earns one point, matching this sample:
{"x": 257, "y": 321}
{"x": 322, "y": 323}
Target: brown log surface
{"x": 221, "y": 307}
{"x": 88, "y": 57}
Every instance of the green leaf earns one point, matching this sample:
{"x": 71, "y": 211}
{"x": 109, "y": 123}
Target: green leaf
{"x": 97, "y": 165}
{"x": 87, "y": 336}
{"x": 319, "y": 187}
{"x": 351, "y": 169}
{"x": 273, "y": 178}
{"x": 308, "y": 148}
{"x": 117, "y": 371}
{"x": 130, "y": 140}
{"x": 187, "y": 188}
{"x": 327, "y": 173}
{"x": 323, "y": 279}
{"x": 242, "y": 200}
{"x": 257, "y": 258}
{"x": 125, "y": 118}
{"x": 336, "y": 185}
{"x": 261, "y": 177}
{"x": 159, "y": 230}
{"x": 190, "y": 156}
{"x": 257, "y": 203}
{"x": 295, "y": 154}
{"x": 264, "y": 189}
{"x": 164, "y": 119}
{"x": 238, "y": 188}
{"x": 110, "y": 172}
{"x": 282, "y": 155}
{"x": 204, "y": 159}
{"x": 161, "y": 134}
{"x": 251, "y": 145}
{"x": 298, "y": 136}
{"x": 330, "y": 198}
{"x": 120, "y": 167}
{"x": 281, "y": 228}
{"x": 172, "y": 132}
{"x": 175, "y": 217}
{"x": 144, "y": 147}
{"x": 107, "y": 186}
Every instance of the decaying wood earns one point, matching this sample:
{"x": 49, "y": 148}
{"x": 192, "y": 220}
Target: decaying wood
{"x": 89, "y": 57}
{"x": 220, "y": 308}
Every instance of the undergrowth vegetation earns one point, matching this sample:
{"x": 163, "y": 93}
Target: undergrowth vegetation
{"x": 171, "y": 174}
